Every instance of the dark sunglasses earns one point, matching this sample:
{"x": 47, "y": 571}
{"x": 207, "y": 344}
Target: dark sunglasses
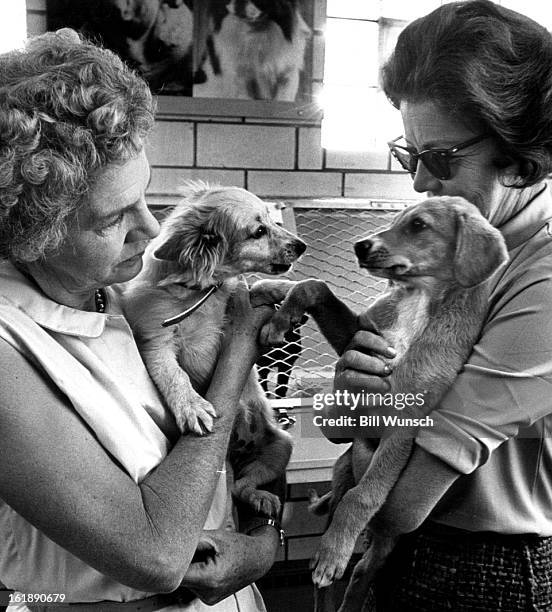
{"x": 437, "y": 161}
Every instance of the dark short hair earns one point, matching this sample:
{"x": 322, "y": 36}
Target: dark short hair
{"x": 67, "y": 109}
{"x": 489, "y": 67}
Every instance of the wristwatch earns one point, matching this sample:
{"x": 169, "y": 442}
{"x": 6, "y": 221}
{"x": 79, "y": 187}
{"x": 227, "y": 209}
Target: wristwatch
{"x": 261, "y": 521}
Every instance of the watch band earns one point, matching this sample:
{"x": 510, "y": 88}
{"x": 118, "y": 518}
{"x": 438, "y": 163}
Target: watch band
{"x": 271, "y": 522}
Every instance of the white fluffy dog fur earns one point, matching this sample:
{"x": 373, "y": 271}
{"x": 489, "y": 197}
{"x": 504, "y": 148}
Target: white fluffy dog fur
{"x": 212, "y": 236}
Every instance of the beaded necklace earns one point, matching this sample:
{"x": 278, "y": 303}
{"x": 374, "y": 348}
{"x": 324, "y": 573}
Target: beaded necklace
{"x": 100, "y": 299}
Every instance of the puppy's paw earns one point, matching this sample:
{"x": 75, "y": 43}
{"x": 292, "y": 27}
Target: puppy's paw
{"x": 273, "y": 333}
{"x": 330, "y": 561}
{"x": 263, "y": 502}
{"x": 196, "y": 417}
{"x": 269, "y": 291}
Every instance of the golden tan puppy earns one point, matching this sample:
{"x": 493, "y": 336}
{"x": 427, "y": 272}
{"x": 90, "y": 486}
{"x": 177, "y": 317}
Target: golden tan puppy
{"x": 437, "y": 255}
{"x": 212, "y": 236}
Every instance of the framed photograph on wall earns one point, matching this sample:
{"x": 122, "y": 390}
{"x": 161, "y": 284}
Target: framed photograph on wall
{"x": 258, "y": 50}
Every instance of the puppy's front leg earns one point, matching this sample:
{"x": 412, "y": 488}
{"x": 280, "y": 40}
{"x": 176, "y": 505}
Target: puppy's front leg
{"x": 335, "y": 319}
{"x": 191, "y": 411}
{"x": 270, "y": 291}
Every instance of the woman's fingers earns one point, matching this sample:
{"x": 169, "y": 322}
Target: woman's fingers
{"x": 360, "y": 368}
{"x": 239, "y": 306}
{"x": 366, "y": 322}
{"x": 243, "y": 318}
{"x": 369, "y": 342}
{"x": 357, "y": 382}
{"x": 353, "y": 359}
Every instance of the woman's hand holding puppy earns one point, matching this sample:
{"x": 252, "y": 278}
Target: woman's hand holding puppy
{"x": 229, "y": 562}
{"x": 244, "y": 320}
{"x": 363, "y": 365}
{"x": 361, "y": 370}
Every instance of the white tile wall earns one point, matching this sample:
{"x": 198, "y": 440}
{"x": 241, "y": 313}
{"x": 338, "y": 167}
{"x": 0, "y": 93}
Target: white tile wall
{"x": 249, "y": 146}
{"x": 171, "y": 144}
{"x": 295, "y": 184}
{"x": 310, "y": 149}
{"x": 393, "y": 186}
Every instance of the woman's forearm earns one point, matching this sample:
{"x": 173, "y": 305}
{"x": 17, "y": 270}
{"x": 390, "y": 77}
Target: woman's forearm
{"x": 262, "y": 553}
{"x": 239, "y": 560}
{"x": 184, "y": 483}
{"x": 58, "y": 477}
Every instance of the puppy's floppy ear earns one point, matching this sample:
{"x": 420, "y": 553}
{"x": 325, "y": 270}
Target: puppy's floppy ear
{"x": 205, "y": 255}
{"x": 480, "y": 249}
{"x": 173, "y": 247}
{"x": 195, "y": 244}
{"x": 169, "y": 250}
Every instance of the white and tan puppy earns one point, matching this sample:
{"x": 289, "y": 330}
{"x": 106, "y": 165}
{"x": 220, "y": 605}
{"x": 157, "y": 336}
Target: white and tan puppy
{"x": 213, "y": 235}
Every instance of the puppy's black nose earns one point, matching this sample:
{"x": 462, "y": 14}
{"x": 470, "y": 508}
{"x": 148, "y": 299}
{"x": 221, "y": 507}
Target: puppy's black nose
{"x": 300, "y": 247}
{"x": 363, "y": 248}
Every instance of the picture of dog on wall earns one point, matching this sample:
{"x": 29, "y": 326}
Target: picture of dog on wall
{"x": 248, "y": 49}
{"x": 155, "y": 37}
{"x": 254, "y": 49}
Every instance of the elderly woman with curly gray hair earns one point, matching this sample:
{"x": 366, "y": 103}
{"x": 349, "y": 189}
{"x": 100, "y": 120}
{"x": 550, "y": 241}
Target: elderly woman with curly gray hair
{"x": 102, "y": 503}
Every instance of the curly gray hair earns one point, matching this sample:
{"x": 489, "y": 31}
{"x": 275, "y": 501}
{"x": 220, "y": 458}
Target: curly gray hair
{"x": 67, "y": 108}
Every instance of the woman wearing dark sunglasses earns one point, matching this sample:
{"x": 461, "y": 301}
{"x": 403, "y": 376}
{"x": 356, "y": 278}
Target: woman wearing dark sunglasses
{"x": 473, "y": 82}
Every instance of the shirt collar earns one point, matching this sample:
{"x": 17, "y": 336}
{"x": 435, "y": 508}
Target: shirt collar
{"x": 529, "y": 220}
{"x": 26, "y": 296}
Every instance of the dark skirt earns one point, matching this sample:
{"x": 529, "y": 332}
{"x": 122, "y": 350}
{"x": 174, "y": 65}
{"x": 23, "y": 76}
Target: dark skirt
{"x": 440, "y": 568}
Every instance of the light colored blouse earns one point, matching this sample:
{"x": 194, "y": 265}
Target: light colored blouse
{"x": 494, "y": 425}
{"x": 93, "y": 359}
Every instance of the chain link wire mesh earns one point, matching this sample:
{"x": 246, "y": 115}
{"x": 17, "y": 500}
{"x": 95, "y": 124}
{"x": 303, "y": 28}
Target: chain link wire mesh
{"x": 305, "y": 365}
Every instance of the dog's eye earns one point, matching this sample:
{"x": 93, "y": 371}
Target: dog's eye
{"x": 417, "y": 224}
{"x": 259, "y": 232}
